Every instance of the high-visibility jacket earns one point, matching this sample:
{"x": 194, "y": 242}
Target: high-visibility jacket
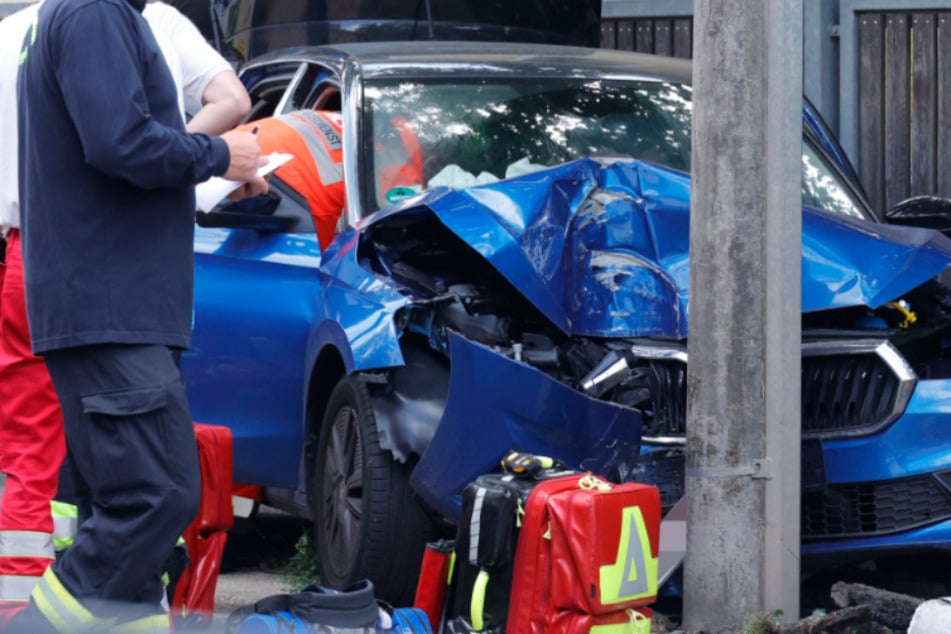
{"x": 399, "y": 162}
{"x": 315, "y": 139}
{"x": 316, "y": 171}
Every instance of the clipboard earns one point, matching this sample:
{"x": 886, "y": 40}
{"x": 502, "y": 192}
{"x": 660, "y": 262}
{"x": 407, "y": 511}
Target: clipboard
{"x": 209, "y": 193}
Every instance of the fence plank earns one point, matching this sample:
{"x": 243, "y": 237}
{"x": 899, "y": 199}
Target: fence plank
{"x": 663, "y": 37}
{"x": 608, "y": 34}
{"x": 683, "y": 38}
{"x": 625, "y": 35}
{"x": 871, "y": 107}
{"x": 644, "y": 36}
{"x": 897, "y": 107}
{"x": 943, "y": 158}
{"x": 922, "y": 172}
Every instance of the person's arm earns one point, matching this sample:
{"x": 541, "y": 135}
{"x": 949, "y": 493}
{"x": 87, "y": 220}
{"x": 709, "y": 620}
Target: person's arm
{"x": 225, "y": 103}
{"x": 96, "y": 51}
{"x": 207, "y": 78}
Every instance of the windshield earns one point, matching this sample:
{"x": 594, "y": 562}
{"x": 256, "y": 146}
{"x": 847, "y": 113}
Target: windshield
{"x": 462, "y": 133}
{"x": 465, "y": 132}
{"x": 822, "y": 187}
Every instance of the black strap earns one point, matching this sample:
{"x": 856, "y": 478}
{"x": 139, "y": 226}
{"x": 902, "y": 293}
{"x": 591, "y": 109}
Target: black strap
{"x": 353, "y": 607}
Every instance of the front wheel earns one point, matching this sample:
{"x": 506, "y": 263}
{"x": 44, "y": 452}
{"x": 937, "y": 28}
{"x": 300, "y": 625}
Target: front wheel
{"x": 367, "y": 522}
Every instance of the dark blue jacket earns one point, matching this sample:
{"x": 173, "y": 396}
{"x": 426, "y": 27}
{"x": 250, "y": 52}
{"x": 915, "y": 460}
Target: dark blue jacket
{"x": 106, "y": 180}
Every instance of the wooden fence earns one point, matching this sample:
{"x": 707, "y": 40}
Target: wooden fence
{"x": 661, "y": 36}
{"x": 904, "y": 104}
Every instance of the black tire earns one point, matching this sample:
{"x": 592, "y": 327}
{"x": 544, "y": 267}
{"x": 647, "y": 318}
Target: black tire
{"x": 367, "y": 522}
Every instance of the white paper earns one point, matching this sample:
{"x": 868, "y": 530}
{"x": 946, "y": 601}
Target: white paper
{"x": 213, "y": 190}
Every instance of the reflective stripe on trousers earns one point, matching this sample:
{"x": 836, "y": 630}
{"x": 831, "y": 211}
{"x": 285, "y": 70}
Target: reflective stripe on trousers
{"x": 64, "y": 612}
{"x": 25, "y": 556}
{"x": 68, "y": 616}
{"x": 155, "y": 624}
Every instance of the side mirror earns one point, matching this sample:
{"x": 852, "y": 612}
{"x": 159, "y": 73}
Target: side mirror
{"x": 929, "y": 212}
{"x": 256, "y": 214}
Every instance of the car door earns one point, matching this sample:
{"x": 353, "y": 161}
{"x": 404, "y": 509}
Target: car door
{"x": 255, "y": 283}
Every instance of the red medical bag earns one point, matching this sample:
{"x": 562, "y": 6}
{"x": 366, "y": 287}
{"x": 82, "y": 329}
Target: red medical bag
{"x": 628, "y": 621}
{"x": 587, "y": 551}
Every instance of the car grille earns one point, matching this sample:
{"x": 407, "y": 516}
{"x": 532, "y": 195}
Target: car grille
{"x": 873, "y": 508}
{"x": 845, "y": 393}
{"x": 668, "y": 399}
{"x": 848, "y": 389}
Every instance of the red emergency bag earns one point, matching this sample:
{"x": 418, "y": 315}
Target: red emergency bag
{"x": 586, "y": 555}
{"x": 205, "y": 537}
{"x": 628, "y": 621}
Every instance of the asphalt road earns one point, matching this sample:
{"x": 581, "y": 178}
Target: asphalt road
{"x": 256, "y": 555}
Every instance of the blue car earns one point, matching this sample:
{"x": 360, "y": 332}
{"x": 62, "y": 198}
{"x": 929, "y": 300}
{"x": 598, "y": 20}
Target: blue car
{"x": 532, "y": 295}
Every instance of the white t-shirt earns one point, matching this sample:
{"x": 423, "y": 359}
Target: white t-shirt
{"x": 192, "y": 61}
{"x": 13, "y": 29}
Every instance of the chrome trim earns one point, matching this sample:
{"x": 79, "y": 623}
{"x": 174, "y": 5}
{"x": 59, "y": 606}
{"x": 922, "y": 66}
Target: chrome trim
{"x": 884, "y": 349}
{"x": 668, "y": 441}
{"x": 352, "y": 104}
{"x": 661, "y": 352}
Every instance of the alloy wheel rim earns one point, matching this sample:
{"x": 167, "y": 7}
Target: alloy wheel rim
{"x": 342, "y": 491}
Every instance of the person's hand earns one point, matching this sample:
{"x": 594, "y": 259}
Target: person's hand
{"x": 254, "y": 187}
{"x": 245, "y": 157}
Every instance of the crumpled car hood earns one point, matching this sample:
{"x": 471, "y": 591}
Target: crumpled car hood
{"x": 601, "y": 249}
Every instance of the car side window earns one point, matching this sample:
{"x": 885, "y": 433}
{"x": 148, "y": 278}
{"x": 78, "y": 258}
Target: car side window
{"x": 283, "y": 87}
{"x": 823, "y": 188}
{"x": 300, "y": 95}
{"x": 266, "y": 86}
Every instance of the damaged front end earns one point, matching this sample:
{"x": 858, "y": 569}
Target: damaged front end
{"x": 526, "y": 303}
{"x": 547, "y": 313}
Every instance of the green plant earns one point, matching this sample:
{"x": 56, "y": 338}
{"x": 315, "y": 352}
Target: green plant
{"x": 762, "y": 623}
{"x": 300, "y": 570}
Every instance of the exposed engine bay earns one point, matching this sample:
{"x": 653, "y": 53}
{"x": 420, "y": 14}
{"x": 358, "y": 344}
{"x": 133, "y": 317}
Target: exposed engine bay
{"x": 847, "y": 389}
{"x": 470, "y": 297}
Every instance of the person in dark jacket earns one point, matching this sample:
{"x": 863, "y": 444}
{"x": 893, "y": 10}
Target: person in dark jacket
{"x": 107, "y": 203}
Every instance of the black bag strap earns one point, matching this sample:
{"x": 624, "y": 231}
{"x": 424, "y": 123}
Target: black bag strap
{"x": 353, "y": 607}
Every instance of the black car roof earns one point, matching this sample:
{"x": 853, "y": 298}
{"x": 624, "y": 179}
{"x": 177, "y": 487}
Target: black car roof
{"x": 414, "y": 58}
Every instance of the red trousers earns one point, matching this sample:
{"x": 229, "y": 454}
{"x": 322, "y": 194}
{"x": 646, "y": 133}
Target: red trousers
{"x": 32, "y": 443}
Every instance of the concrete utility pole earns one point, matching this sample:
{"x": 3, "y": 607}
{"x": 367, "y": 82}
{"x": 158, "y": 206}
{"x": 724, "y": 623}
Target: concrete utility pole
{"x": 743, "y": 398}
